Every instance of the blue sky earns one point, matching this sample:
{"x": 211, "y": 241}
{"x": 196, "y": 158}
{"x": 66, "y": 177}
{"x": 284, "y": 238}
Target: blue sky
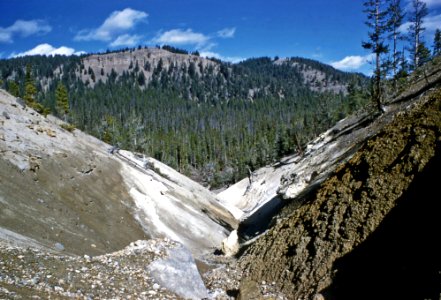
{"x": 325, "y": 30}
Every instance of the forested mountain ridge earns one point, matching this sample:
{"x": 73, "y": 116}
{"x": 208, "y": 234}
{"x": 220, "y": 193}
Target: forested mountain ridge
{"x": 156, "y": 66}
{"x": 209, "y": 119}
{"x": 145, "y": 63}
{"x": 321, "y": 77}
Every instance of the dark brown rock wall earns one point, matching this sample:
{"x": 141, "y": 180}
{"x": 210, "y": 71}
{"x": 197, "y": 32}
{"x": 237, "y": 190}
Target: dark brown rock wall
{"x": 301, "y": 251}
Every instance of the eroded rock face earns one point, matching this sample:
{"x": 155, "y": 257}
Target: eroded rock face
{"x": 67, "y": 192}
{"x": 301, "y": 253}
{"x": 147, "y": 60}
{"x": 256, "y": 199}
{"x": 60, "y": 188}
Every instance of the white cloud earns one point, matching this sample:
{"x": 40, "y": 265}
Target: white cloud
{"x": 431, "y": 23}
{"x": 232, "y": 59}
{"x": 117, "y": 23}
{"x": 5, "y": 37}
{"x": 24, "y": 29}
{"x": 404, "y": 28}
{"x": 181, "y": 37}
{"x": 227, "y": 32}
{"x": 201, "y": 42}
{"x": 46, "y": 49}
{"x": 431, "y": 3}
{"x": 352, "y": 62}
{"x": 126, "y": 40}
{"x": 207, "y": 47}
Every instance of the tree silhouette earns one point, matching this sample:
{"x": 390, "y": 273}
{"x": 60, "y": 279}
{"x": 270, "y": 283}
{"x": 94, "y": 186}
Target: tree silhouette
{"x": 62, "y": 100}
{"x": 416, "y": 29}
{"x": 378, "y": 24}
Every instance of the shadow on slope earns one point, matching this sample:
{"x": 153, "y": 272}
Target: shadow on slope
{"x": 401, "y": 259}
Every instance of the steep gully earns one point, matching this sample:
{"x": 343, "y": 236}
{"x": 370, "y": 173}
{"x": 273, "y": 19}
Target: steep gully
{"x": 138, "y": 198}
{"x": 368, "y": 230}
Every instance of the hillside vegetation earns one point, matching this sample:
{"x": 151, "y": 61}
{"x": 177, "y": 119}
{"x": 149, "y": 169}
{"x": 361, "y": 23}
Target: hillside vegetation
{"x": 208, "y": 119}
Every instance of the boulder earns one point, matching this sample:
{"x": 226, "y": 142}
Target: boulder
{"x": 230, "y": 245}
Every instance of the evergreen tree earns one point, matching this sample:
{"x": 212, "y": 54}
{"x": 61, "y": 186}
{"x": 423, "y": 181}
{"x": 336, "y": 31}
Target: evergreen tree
{"x": 30, "y": 89}
{"x": 91, "y": 73}
{"x": 377, "y": 23}
{"x": 416, "y": 29}
{"x": 423, "y": 54}
{"x": 141, "y": 78}
{"x": 62, "y": 100}
{"x": 396, "y": 17}
{"x": 404, "y": 67}
{"x": 30, "y": 93}
{"x": 13, "y": 88}
{"x": 437, "y": 43}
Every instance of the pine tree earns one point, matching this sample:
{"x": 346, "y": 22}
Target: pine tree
{"x": 30, "y": 89}
{"x": 377, "y": 23}
{"x": 416, "y": 29}
{"x": 141, "y": 78}
{"x": 396, "y": 17}
{"x": 62, "y": 100}
{"x": 13, "y": 88}
{"x": 437, "y": 43}
{"x": 92, "y": 76}
{"x": 404, "y": 67}
{"x": 423, "y": 54}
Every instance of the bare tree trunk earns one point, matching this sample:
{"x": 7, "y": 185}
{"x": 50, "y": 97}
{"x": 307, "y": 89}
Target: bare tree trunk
{"x": 394, "y": 67}
{"x": 377, "y": 92}
{"x": 417, "y": 44}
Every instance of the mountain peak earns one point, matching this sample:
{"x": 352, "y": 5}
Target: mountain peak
{"x": 145, "y": 61}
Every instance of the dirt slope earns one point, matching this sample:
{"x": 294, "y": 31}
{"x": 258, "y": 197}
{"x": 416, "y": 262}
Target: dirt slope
{"x": 59, "y": 188}
{"x": 67, "y": 191}
{"x": 313, "y": 248}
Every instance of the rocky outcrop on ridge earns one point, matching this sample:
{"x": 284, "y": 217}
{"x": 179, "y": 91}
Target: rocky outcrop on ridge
{"x": 315, "y": 78}
{"x": 146, "y": 60}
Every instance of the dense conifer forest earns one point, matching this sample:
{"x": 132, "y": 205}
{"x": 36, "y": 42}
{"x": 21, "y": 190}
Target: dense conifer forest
{"x": 214, "y": 124}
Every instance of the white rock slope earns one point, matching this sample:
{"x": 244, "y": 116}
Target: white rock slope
{"x": 65, "y": 188}
{"x": 264, "y": 192}
{"x": 170, "y": 204}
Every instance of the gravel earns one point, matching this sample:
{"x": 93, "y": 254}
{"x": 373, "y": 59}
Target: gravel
{"x": 31, "y": 273}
